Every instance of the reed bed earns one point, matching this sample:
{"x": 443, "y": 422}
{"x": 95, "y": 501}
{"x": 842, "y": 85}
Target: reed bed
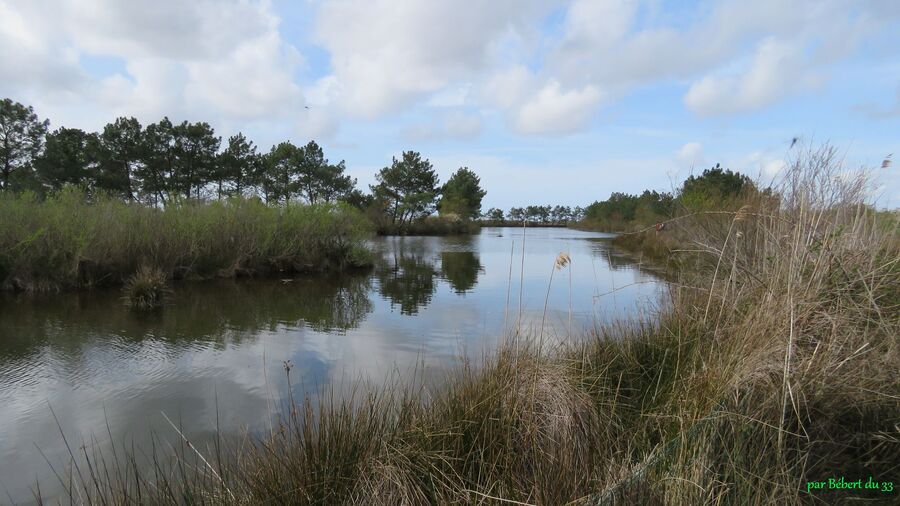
{"x": 70, "y": 241}
{"x": 773, "y": 364}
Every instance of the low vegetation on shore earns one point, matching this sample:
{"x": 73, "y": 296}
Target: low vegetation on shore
{"x": 772, "y": 364}
{"x": 69, "y": 240}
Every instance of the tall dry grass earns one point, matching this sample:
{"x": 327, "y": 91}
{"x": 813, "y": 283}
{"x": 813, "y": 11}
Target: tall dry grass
{"x": 774, "y": 363}
{"x": 68, "y": 241}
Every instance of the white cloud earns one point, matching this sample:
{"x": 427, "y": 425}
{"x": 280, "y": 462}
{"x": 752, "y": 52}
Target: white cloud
{"x": 34, "y": 58}
{"x": 690, "y": 155}
{"x": 212, "y": 61}
{"x": 388, "y": 53}
{"x": 619, "y": 45}
{"x": 508, "y": 87}
{"x": 252, "y": 82}
{"x": 319, "y": 123}
{"x": 228, "y": 62}
{"x": 762, "y": 164}
{"x": 172, "y": 29}
{"x": 554, "y": 111}
{"x": 778, "y": 69}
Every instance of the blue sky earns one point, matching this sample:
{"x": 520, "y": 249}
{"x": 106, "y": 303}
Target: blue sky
{"x": 550, "y": 101}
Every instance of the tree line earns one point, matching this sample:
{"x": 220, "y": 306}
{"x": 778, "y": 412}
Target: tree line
{"x": 166, "y": 161}
{"x": 547, "y": 214}
{"x": 713, "y": 188}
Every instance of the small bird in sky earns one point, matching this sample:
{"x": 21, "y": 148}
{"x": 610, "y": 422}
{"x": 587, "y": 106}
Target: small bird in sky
{"x": 794, "y": 140}
{"x": 887, "y": 161}
{"x": 306, "y": 107}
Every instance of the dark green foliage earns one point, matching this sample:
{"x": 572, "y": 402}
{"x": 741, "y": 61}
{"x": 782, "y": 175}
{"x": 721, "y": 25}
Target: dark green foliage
{"x": 195, "y": 148}
{"x": 712, "y": 187}
{"x": 715, "y": 188}
{"x": 358, "y": 199}
{"x": 21, "y": 140}
{"x": 158, "y": 169}
{"x": 408, "y": 188}
{"x": 304, "y": 172}
{"x": 533, "y": 215}
{"x": 494, "y": 214}
{"x": 318, "y": 180}
{"x": 239, "y": 166}
{"x": 280, "y": 181}
{"x": 462, "y": 194}
{"x": 118, "y": 150}
{"x": 621, "y": 210}
{"x": 67, "y": 159}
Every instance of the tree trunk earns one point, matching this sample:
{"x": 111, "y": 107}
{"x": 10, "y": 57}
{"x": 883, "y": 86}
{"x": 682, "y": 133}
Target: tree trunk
{"x": 6, "y": 171}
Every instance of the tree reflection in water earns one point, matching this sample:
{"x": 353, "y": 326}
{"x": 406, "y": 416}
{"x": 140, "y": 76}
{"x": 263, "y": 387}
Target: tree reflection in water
{"x": 461, "y": 269}
{"x": 407, "y": 278}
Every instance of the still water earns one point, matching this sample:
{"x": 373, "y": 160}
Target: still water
{"x": 218, "y": 348}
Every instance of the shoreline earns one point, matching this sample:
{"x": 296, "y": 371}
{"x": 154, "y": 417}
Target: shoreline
{"x": 751, "y": 382}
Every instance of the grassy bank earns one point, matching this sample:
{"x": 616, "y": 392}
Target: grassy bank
{"x": 432, "y": 225}
{"x": 67, "y": 241}
{"x": 774, "y": 364}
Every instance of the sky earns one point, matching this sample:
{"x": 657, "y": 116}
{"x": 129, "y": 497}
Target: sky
{"x": 549, "y": 101}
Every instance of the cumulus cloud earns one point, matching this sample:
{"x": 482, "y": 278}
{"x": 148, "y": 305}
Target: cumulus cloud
{"x": 619, "y": 45}
{"x": 388, "y": 53}
{"x": 546, "y": 65}
{"x": 555, "y": 111}
{"x": 778, "y": 70}
{"x": 508, "y": 87}
{"x": 34, "y": 57}
{"x": 763, "y": 164}
{"x": 215, "y": 61}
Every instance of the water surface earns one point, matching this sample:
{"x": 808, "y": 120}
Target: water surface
{"x": 218, "y": 349}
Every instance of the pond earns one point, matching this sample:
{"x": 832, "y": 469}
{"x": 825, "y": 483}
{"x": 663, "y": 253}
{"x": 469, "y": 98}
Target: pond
{"x": 82, "y": 362}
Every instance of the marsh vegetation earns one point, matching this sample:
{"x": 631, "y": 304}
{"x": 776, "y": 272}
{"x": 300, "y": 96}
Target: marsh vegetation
{"x": 772, "y": 364}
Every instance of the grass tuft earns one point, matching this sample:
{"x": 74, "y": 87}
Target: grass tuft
{"x": 146, "y": 289}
